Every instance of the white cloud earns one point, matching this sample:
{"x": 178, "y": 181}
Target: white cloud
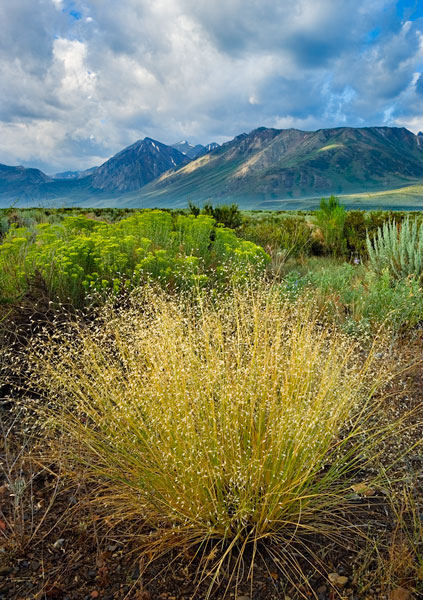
{"x": 81, "y": 80}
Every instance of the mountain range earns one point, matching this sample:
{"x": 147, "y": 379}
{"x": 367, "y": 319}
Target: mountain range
{"x": 264, "y": 168}
{"x": 194, "y": 151}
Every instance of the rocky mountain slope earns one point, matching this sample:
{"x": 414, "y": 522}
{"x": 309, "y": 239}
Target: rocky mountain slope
{"x": 289, "y": 163}
{"x": 192, "y": 151}
{"x": 137, "y": 165}
{"x": 264, "y": 166}
{"x": 128, "y": 170}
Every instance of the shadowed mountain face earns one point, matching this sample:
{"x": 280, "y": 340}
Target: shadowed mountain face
{"x": 16, "y": 182}
{"x": 189, "y": 150}
{"x": 21, "y": 175}
{"x": 74, "y": 174}
{"x": 289, "y": 163}
{"x": 262, "y": 166}
{"x": 194, "y": 152}
{"x": 135, "y": 166}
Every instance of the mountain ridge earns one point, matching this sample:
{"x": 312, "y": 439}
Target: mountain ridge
{"x": 290, "y": 163}
{"x": 264, "y": 165}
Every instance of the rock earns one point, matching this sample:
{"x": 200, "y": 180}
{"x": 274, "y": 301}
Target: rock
{"x": 136, "y": 572}
{"x": 35, "y": 565}
{"x": 339, "y": 581}
{"x": 399, "y": 594}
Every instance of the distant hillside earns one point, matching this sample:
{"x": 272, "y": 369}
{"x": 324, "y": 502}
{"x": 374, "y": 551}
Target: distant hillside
{"x": 74, "y": 174}
{"x": 272, "y": 164}
{"x": 194, "y": 152}
{"x": 128, "y": 170}
{"x": 189, "y": 150}
{"x": 12, "y": 175}
{"x": 265, "y": 168}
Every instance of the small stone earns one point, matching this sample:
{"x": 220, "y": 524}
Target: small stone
{"x": 322, "y": 589}
{"x": 94, "y": 594}
{"x": 35, "y": 565}
{"x": 136, "y": 572}
{"x": 399, "y": 594}
{"x": 340, "y": 581}
{"x": 59, "y": 543}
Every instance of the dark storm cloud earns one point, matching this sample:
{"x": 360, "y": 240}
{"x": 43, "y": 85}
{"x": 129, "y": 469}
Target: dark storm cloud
{"x": 80, "y": 79}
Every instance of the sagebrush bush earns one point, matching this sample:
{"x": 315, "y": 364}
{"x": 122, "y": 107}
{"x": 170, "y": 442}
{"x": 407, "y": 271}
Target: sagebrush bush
{"x": 398, "y": 248}
{"x": 241, "y": 421}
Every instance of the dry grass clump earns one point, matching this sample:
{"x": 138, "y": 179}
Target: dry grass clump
{"x": 240, "y": 421}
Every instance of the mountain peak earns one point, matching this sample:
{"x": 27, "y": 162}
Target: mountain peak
{"x": 189, "y": 150}
{"x": 136, "y": 165}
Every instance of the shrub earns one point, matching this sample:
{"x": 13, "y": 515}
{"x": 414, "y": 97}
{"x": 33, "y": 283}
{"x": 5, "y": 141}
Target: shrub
{"x": 360, "y": 301}
{"x": 398, "y": 248}
{"x": 355, "y": 233}
{"x": 236, "y": 422}
{"x": 289, "y": 235}
{"x": 81, "y": 255}
{"x": 228, "y": 216}
{"x": 330, "y": 219}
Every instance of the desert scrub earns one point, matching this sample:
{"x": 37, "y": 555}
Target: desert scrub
{"x": 359, "y": 300}
{"x": 398, "y": 248}
{"x": 292, "y": 235}
{"x": 81, "y": 256}
{"x": 235, "y": 422}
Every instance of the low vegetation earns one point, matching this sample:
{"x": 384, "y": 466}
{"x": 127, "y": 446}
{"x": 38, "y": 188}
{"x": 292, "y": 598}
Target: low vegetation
{"x": 81, "y": 255}
{"x": 240, "y": 422}
{"x": 216, "y": 390}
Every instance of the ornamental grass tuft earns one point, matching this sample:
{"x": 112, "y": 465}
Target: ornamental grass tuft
{"x": 221, "y": 424}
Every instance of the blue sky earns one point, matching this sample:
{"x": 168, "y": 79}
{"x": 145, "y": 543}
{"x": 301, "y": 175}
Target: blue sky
{"x": 81, "y": 79}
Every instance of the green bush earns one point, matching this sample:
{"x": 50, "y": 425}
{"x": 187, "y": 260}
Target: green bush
{"x": 81, "y": 255}
{"x": 330, "y": 220}
{"x": 355, "y": 232}
{"x": 359, "y": 300}
{"x": 228, "y": 216}
{"x": 291, "y": 234}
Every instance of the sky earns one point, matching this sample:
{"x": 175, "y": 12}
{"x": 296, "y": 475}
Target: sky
{"x": 82, "y": 79}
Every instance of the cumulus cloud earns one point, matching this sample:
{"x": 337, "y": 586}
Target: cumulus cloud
{"x": 83, "y": 78}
